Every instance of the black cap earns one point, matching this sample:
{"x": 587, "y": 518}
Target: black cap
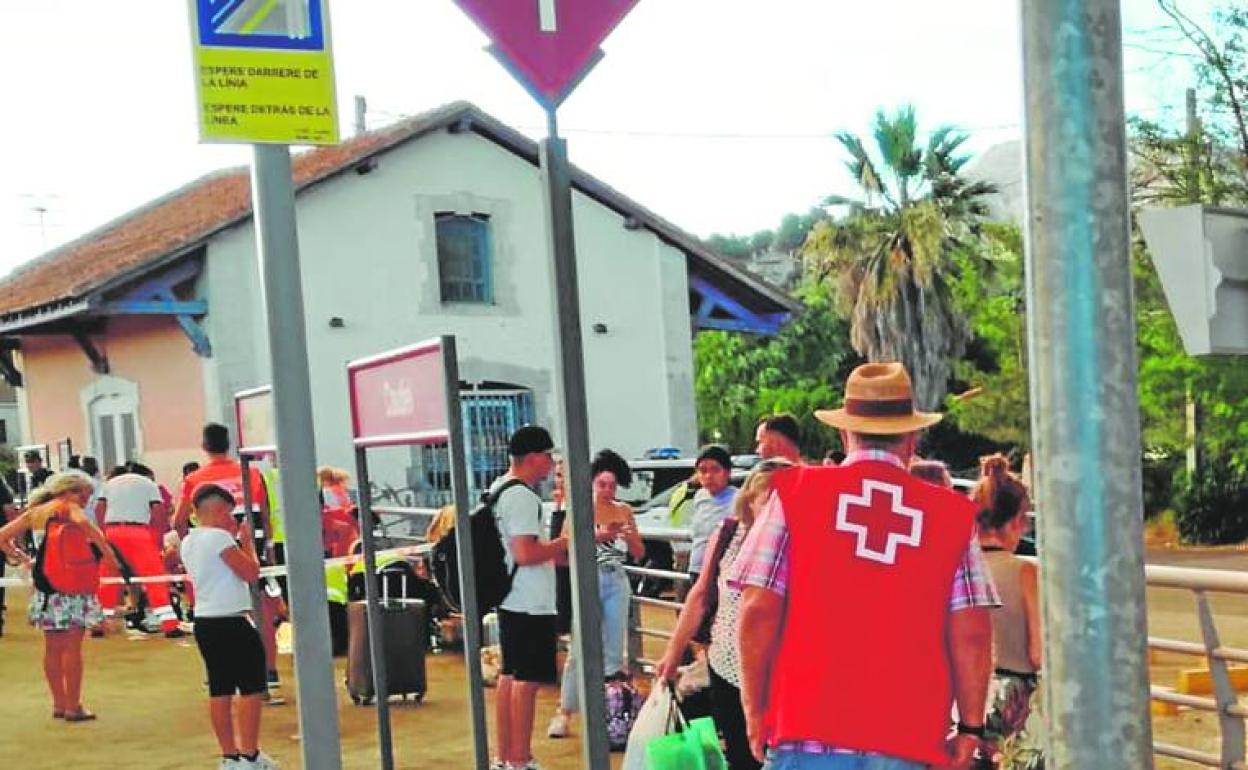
{"x": 529, "y": 440}
{"x": 718, "y": 454}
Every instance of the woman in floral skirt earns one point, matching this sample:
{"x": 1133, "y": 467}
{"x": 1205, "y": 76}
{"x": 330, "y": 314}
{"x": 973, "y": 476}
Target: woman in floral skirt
{"x": 1011, "y": 721}
{"x": 63, "y": 617}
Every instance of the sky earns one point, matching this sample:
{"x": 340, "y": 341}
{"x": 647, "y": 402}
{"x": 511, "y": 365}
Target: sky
{"x": 716, "y": 114}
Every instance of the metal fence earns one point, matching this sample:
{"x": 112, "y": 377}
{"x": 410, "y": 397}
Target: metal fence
{"x": 1200, "y": 582}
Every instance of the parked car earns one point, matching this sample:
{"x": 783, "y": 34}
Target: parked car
{"x": 659, "y": 481}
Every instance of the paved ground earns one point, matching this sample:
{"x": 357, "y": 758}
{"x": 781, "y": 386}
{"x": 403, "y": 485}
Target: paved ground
{"x": 149, "y": 696}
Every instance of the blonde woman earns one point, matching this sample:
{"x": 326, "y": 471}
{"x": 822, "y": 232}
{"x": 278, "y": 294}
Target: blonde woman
{"x": 712, "y": 596}
{"x": 63, "y": 614}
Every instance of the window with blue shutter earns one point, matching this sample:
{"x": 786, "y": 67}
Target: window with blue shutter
{"x": 465, "y": 258}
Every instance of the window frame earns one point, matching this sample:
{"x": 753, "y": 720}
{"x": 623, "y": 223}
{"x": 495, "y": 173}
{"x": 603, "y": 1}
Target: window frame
{"x": 482, "y": 262}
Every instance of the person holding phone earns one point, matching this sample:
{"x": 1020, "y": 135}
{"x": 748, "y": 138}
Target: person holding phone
{"x": 222, "y": 565}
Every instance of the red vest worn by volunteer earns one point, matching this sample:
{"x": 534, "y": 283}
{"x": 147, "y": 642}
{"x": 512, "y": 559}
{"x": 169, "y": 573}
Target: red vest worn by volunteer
{"x": 863, "y": 662}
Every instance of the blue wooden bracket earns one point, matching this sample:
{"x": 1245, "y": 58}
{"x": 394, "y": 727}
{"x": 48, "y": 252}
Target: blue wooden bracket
{"x": 155, "y": 296}
{"x": 743, "y": 319}
{"x": 154, "y": 307}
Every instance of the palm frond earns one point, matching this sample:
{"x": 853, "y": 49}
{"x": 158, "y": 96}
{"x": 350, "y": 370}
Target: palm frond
{"x": 861, "y": 166}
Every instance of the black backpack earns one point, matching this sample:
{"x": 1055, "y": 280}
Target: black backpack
{"x": 493, "y": 579}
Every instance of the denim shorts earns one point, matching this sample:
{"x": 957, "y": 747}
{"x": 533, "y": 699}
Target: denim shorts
{"x": 797, "y": 760}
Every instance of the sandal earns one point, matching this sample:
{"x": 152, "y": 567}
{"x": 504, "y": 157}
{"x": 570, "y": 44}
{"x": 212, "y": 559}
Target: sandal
{"x": 81, "y": 715}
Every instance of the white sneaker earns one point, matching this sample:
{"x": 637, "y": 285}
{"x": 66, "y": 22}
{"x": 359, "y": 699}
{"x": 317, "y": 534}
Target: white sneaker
{"x": 559, "y": 727}
{"x": 262, "y": 762}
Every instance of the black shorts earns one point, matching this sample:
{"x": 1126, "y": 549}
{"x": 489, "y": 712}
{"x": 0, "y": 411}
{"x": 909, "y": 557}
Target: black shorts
{"x": 528, "y": 644}
{"x": 233, "y": 655}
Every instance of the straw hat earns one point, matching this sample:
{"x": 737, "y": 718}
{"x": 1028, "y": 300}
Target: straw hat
{"x": 878, "y": 400}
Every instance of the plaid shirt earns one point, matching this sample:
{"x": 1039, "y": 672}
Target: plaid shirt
{"x": 764, "y": 563}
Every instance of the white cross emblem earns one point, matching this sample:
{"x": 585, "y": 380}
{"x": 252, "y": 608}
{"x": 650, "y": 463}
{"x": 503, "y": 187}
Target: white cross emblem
{"x": 880, "y": 521}
{"x": 547, "y": 15}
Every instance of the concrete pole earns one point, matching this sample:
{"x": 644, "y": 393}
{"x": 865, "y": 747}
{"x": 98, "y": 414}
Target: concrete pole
{"x": 1085, "y": 416}
{"x": 586, "y": 605}
{"x": 455, "y": 447}
{"x": 273, "y": 193}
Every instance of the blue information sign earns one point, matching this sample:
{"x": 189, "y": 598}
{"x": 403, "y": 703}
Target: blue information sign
{"x": 297, "y": 25}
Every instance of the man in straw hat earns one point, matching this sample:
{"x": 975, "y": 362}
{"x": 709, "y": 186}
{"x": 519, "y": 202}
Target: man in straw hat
{"x": 865, "y": 610}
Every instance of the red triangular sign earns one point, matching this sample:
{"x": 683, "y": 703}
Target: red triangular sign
{"x": 547, "y": 44}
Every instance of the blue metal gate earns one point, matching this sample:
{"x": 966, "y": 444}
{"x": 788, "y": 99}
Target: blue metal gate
{"x": 490, "y": 417}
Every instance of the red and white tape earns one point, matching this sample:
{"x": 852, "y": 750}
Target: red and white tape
{"x": 274, "y": 571}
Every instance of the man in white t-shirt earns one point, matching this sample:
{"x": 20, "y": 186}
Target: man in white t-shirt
{"x": 129, "y": 505}
{"x": 526, "y": 617}
{"x": 222, "y": 569}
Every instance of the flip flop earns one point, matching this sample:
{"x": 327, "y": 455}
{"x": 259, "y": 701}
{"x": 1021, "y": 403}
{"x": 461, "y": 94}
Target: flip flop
{"x": 81, "y": 715}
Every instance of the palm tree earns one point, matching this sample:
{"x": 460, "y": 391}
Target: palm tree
{"x": 893, "y": 254}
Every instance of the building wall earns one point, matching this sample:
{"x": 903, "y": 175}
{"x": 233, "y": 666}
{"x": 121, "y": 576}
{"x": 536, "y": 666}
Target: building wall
{"x": 150, "y": 352}
{"x": 368, "y": 252}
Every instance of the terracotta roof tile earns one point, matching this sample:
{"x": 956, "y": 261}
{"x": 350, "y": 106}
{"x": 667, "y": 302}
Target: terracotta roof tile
{"x": 190, "y": 215}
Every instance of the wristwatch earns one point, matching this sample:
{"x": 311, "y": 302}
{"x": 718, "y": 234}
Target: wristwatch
{"x": 973, "y": 730}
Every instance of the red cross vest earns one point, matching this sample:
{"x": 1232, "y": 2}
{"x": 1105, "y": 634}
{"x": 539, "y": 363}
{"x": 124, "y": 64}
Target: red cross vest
{"x": 863, "y": 665}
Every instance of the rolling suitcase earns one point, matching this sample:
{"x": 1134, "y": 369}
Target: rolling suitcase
{"x": 404, "y": 630}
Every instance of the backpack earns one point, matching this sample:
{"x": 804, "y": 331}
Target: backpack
{"x": 493, "y": 579}
{"x": 67, "y": 561}
{"x": 623, "y": 703}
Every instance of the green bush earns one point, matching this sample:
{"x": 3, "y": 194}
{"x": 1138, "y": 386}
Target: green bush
{"x": 1213, "y": 505}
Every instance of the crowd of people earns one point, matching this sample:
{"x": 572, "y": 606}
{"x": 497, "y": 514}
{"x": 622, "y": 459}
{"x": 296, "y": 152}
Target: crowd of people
{"x": 941, "y": 608}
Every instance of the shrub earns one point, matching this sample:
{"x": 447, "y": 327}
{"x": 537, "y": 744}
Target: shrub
{"x": 1213, "y": 505}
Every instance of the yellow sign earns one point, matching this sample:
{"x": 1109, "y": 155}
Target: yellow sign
{"x": 264, "y": 71}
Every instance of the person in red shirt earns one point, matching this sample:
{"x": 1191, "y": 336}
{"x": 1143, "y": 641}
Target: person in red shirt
{"x": 227, "y": 473}
{"x": 865, "y": 602}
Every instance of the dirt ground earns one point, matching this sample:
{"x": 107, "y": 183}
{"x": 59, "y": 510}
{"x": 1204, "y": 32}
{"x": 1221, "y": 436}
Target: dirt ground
{"x": 149, "y": 695}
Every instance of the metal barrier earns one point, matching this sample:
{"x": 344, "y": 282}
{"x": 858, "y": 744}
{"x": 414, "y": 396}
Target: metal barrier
{"x": 1224, "y": 703}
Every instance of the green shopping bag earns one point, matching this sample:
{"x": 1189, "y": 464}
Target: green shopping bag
{"x": 692, "y": 746}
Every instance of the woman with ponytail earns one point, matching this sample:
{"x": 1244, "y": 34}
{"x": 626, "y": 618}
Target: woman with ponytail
{"x": 1004, "y": 505}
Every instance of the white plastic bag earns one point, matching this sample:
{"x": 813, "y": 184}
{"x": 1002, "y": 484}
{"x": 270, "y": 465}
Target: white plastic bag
{"x": 652, "y": 722}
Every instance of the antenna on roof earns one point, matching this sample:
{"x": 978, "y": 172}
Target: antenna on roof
{"x": 361, "y": 115}
{"x": 41, "y": 205}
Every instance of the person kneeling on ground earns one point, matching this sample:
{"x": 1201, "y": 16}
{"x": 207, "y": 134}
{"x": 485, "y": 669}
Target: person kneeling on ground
{"x": 221, "y": 569}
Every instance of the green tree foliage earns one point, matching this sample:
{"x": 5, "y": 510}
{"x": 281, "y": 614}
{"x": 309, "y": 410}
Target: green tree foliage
{"x": 995, "y": 370}
{"x": 893, "y": 258}
{"x": 788, "y": 238}
{"x": 803, "y": 368}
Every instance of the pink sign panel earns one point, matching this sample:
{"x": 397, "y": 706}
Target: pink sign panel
{"x": 257, "y": 429}
{"x": 399, "y": 397}
{"x": 548, "y": 44}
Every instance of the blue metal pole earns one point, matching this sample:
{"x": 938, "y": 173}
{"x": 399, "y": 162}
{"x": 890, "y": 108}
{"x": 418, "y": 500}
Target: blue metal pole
{"x": 1085, "y": 416}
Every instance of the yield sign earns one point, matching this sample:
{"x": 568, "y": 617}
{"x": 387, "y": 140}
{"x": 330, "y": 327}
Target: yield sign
{"x": 548, "y": 45}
